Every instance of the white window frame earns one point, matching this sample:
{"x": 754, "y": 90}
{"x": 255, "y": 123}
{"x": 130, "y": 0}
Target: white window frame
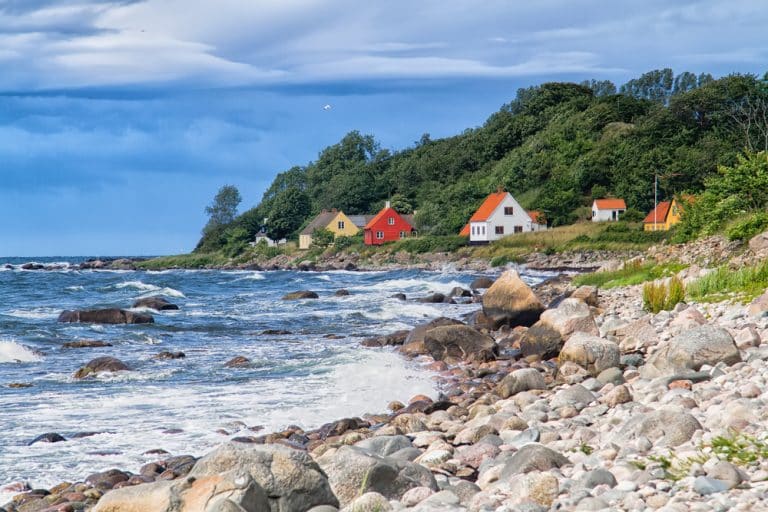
{"x": 403, "y": 234}
{"x": 379, "y": 235}
{"x": 391, "y": 221}
{"x": 340, "y": 224}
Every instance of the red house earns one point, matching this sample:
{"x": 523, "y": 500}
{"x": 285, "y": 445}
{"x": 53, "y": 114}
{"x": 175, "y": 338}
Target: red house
{"x": 388, "y": 226}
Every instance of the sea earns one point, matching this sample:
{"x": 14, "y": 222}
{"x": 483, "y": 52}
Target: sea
{"x": 316, "y": 374}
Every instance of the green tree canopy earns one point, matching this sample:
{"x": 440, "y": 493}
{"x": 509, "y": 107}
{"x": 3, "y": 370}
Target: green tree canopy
{"x": 223, "y": 209}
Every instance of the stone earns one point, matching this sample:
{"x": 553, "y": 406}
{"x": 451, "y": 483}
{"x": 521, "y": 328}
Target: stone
{"x": 105, "y": 316}
{"x": 155, "y": 302}
{"x": 341, "y": 292}
{"x": 524, "y": 379}
{"x": 454, "y": 343}
{"x": 50, "y": 437}
{"x": 511, "y": 302}
{"x": 539, "y": 488}
{"x": 576, "y": 396}
{"x": 290, "y": 478}
{"x": 301, "y": 294}
{"x": 416, "y": 495}
{"x": 636, "y": 336}
{"x": 369, "y": 502}
{"x": 570, "y": 316}
{"x": 592, "y": 353}
{"x": 692, "y": 349}
{"x": 474, "y": 455}
{"x": 458, "y": 291}
{"x": 616, "y": 396}
{"x": 532, "y": 457}
{"x": 238, "y": 362}
{"x": 759, "y": 306}
{"x": 705, "y": 485}
{"x": 725, "y": 471}
{"x": 688, "y": 318}
{"x": 352, "y": 470}
{"x": 170, "y": 355}
{"x": 385, "y": 445}
{"x": 99, "y": 365}
{"x": 541, "y": 340}
{"x": 669, "y": 427}
{"x": 759, "y": 243}
{"x": 86, "y": 344}
{"x": 481, "y": 283}
{"x": 611, "y": 376}
{"x": 393, "y": 339}
{"x": 414, "y": 343}
{"x": 528, "y": 436}
{"x": 436, "y": 298}
{"x": 586, "y": 294}
{"x": 592, "y": 479}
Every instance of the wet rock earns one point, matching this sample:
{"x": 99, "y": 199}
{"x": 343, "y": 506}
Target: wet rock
{"x": 436, "y": 298}
{"x": 341, "y": 292}
{"x": 170, "y": 355}
{"x": 414, "y": 342}
{"x": 481, "y": 283}
{"x": 19, "y": 385}
{"x": 337, "y": 428}
{"x": 393, "y": 339}
{"x": 106, "y": 480}
{"x": 458, "y": 291}
{"x": 275, "y": 332}
{"x": 512, "y": 302}
{"x": 238, "y": 362}
{"x": 155, "y": 302}
{"x": 352, "y": 471}
{"x": 399, "y": 296}
{"x": 455, "y": 343}
{"x": 50, "y": 437}
{"x": 99, "y": 365}
{"x": 524, "y": 379}
{"x": 105, "y": 316}
{"x": 692, "y": 349}
{"x": 301, "y": 294}
{"x": 86, "y": 344}
{"x": 590, "y": 352}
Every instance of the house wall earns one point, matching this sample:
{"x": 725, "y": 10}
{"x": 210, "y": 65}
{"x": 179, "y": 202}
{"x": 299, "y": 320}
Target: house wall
{"x": 305, "y": 241}
{"x": 349, "y": 228}
{"x": 391, "y": 231}
{"x": 519, "y": 217}
{"x": 673, "y": 217}
{"x": 605, "y": 215}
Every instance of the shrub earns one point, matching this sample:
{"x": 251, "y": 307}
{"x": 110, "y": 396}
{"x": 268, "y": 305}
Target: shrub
{"x": 657, "y": 296}
{"x": 746, "y": 228}
{"x": 424, "y": 244}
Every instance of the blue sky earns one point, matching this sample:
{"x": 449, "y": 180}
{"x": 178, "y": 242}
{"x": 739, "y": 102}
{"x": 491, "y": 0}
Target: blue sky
{"x": 119, "y": 120}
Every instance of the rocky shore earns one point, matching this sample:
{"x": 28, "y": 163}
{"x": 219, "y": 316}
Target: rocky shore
{"x": 552, "y": 399}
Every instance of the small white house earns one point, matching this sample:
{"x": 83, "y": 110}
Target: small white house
{"x": 262, "y": 236}
{"x": 607, "y": 209}
{"x": 501, "y": 215}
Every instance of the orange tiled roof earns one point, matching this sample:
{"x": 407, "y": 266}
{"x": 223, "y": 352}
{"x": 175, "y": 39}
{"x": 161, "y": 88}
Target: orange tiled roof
{"x": 408, "y": 219}
{"x": 659, "y": 213}
{"x": 610, "y": 204}
{"x": 487, "y": 208}
{"x": 535, "y": 216}
{"x": 464, "y": 231}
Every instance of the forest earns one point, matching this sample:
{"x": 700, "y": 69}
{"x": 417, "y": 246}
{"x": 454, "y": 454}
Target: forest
{"x": 555, "y": 147}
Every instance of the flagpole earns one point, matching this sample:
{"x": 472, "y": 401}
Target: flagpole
{"x": 655, "y": 198}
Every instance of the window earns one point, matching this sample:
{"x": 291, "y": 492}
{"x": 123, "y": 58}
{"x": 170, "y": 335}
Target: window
{"x": 499, "y": 230}
{"x": 402, "y": 234}
{"x": 594, "y": 213}
{"x": 380, "y": 235}
{"x": 391, "y": 221}
{"x": 483, "y": 229}
{"x": 473, "y": 230}
{"x": 341, "y": 224}
{"x": 508, "y": 210}
{"x": 518, "y": 229}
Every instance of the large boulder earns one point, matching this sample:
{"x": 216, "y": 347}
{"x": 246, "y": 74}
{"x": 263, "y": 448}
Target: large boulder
{"x": 520, "y": 380}
{"x": 395, "y": 338}
{"x": 414, "y": 341}
{"x": 454, "y": 343}
{"x": 692, "y": 349}
{"x": 232, "y": 491}
{"x": 353, "y": 471}
{"x": 290, "y": 478}
{"x": 105, "y": 316}
{"x": 759, "y": 306}
{"x": 99, "y": 365}
{"x": 636, "y": 336}
{"x": 666, "y": 427}
{"x": 155, "y": 302}
{"x": 587, "y": 294}
{"x": 592, "y": 353}
{"x": 541, "y": 340}
{"x": 759, "y": 243}
{"x": 570, "y": 316}
{"x": 481, "y": 283}
{"x": 512, "y": 302}
{"x": 532, "y": 457}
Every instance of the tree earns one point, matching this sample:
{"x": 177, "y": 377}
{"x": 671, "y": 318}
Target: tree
{"x": 223, "y": 209}
{"x": 600, "y": 88}
{"x": 322, "y": 238}
{"x": 289, "y": 209}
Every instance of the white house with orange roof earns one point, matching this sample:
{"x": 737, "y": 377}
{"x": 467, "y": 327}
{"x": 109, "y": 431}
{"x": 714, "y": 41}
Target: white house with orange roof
{"x": 607, "y": 209}
{"x": 501, "y": 215}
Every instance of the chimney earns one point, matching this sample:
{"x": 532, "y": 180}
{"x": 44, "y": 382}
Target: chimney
{"x": 387, "y": 205}
{"x": 500, "y": 189}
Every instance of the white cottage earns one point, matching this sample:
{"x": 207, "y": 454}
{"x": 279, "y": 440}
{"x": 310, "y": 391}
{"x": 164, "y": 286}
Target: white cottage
{"x": 501, "y": 215}
{"x": 607, "y": 209}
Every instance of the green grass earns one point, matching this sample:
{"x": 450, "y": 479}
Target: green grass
{"x": 747, "y": 282}
{"x": 631, "y": 274}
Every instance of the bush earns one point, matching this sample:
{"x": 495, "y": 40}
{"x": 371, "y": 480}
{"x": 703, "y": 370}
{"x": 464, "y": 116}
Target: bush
{"x": 424, "y": 244}
{"x": 657, "y": 296}
{"x": 744, "y": 229}
{"x": 632, "y": 215}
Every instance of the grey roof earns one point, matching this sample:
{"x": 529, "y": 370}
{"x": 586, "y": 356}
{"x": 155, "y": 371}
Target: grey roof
{"x": 409, "y": 219}
{"x": 321, "y": 221}
{"x": 360, "y": 220}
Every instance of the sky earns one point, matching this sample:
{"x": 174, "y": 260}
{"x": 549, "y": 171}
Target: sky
{"x": 119, "y": 120}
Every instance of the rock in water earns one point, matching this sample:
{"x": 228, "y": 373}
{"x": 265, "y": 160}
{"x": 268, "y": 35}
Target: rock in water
{"x": 86, "y": 344}
{"x": 101, "y": 364}
{"x": 512, "y": 302}
{"x": 481, "y": 283}
{"x": 155, "y": 302}
{"x": 105, "y": 316}
{"x": 692, "y": 349}
{"x": 353, "y": 471}
{"x": 50, "y": 437}
{"x": 454, "y": 343}
{"x": 301, "y": 294}
{"x": 341, "y": 292}
{"x": 238, "y": 362}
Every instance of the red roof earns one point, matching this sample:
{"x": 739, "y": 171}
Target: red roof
{"x": 610, "y": 204}
{"x": 488, "y": 207}
{"x": 535, "y": 216}
{"x": 464, "y": 231}
{"x": 376, "y": 218}
{"x": 659, "y": 213}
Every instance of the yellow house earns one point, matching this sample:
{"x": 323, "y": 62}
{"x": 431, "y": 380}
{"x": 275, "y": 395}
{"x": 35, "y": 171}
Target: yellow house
{"x": 664, "y": 216}
{"x": 335, "y": 221}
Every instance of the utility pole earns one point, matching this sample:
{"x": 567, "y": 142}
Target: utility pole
{"x": 655, "y": 197}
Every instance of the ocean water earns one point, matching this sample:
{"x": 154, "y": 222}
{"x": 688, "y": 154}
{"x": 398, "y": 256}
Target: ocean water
{"x": 181, "y": 406}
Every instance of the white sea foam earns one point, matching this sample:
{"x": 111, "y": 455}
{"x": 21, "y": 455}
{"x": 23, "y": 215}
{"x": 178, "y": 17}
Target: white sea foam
{"x": 75, "y": 288}
{"x": 412, "y": 286}
{"x": 12, "y": 352}
{"x": 137, "y": 285}
{"x": 168, "y": 292}
{"x": 252, "y": 276}
{"x": 34, "y": 314}
{"x": 397, "y": 309}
